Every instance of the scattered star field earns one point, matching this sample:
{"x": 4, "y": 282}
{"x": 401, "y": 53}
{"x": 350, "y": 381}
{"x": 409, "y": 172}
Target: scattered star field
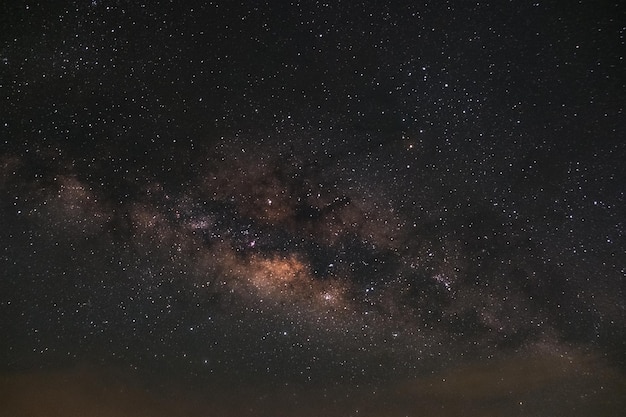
{"x": 304, "y": 208}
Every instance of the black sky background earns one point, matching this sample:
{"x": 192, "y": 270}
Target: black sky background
{"x": 296, "y": 208}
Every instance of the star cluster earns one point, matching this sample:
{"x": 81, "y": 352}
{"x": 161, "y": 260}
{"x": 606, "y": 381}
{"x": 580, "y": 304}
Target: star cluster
{"x": 304, "y": 207}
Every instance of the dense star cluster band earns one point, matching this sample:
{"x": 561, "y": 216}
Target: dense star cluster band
{"x": 308, "y": 208}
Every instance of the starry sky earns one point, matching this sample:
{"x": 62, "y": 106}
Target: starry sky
{"x": 305, "y": 208}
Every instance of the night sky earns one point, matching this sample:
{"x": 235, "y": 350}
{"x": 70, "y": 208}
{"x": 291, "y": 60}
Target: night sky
{"x": 275, "y": 208}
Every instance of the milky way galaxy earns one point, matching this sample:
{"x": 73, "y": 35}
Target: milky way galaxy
{"x": 304, "y": 209}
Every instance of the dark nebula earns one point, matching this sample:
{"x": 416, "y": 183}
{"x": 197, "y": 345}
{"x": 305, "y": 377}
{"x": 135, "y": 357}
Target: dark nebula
{"x": 306, "y": 208}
